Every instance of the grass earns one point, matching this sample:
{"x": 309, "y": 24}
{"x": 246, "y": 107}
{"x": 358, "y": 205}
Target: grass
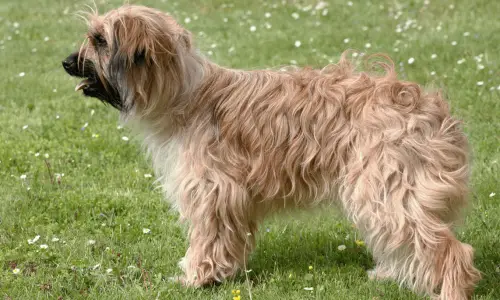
{"x": 69, "y": 175}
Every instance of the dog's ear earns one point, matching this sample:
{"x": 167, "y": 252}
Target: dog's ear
{"x": 141, "y": 39}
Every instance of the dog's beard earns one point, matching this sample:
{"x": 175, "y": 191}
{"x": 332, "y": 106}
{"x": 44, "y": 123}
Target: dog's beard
{"x": 92, "y": 85}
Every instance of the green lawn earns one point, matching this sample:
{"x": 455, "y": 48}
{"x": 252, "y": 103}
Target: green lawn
{"x": 72, "y": 176}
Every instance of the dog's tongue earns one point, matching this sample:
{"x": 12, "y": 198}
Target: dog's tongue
{"x": 82, "y": 84}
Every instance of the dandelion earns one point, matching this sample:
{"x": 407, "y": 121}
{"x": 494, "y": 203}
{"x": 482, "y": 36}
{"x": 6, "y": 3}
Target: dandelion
{"x": 411, "y": 60}
{"x": 22, "y": 74}
{"x": 125, "y": 138}
{"x": 237, "y": 297}
{"x": 341, "y": 247}
{"x": 297, "y": 44}
{"x": 310, "y": 268}
{"x": 146, "y": 230}
{"x": 16, "y": 271}
{"x": 44, "y": 246}
{"x": 235, "y": 292}
{"x": 253, "y": 28}
{"x": 492, "y": 195}
{"x": 434, "y": 56}
{"x": 91, "y": 242}
{"x": 295, "y": 16}
{"x": 360, "y": 243}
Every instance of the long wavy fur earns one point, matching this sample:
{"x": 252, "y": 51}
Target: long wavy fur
{"x": 232, "y": 146}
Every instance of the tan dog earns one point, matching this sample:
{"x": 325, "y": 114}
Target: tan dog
{"x": 230, "y": 147}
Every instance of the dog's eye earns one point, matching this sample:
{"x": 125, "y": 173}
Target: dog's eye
{"x": 100, "y": 40}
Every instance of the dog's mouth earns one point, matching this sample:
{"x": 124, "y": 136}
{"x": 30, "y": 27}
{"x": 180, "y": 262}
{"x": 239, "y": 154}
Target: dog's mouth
{"x": 91, "y": 85}
{"x": 85, "y": 84}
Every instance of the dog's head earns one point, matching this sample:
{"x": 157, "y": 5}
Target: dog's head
{"x": 131, "y": 56}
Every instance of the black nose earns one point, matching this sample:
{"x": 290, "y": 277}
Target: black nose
{"x": 68, "y": 64}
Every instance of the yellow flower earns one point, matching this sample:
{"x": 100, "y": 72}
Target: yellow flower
{"x": 236, "y": 293}
{"x": 237, "y": 297}
{"x": 310, "y": 267}
{"x": 360, "y": 243}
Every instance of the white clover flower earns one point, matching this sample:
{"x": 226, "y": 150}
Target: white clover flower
{"x": 125, "y": 138}
{"x": 253, "y": 28}
{"x": 411, "y": 60}
{"x": 44, "y": 246}
{"x": 146, "y": 230}
{"x": 16, "y": 271}
{"x": 297, "y": 44}
{"x": 341, "y": 247}
{"x": 34, "y": 240}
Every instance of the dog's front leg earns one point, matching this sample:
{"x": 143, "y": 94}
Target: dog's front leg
{"x": 222, "y": 228}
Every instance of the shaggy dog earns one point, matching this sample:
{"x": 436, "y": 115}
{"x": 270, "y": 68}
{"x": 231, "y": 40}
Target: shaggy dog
{"x": 230, "y": 147}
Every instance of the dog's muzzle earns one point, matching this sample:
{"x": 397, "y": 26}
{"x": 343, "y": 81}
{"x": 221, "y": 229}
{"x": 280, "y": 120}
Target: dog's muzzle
{"x": 91, "y": 85}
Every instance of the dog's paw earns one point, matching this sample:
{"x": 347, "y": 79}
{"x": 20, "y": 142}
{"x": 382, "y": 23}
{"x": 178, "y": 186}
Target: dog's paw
{"x": 376, "y": 274}
{"x": 178, "y": 280}
{"x": 182, "y": 264}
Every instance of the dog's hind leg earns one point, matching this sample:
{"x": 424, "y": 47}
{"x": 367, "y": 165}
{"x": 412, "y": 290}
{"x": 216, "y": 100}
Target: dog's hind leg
{"x": 406, "y": 211}
{"x": 221, "y": 229}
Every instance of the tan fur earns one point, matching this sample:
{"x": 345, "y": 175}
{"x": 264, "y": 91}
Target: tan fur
{"x": 230, "y": 147}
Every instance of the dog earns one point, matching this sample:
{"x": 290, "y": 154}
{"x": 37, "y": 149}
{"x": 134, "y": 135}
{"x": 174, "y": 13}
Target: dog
{"x": 230, "y": 147}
